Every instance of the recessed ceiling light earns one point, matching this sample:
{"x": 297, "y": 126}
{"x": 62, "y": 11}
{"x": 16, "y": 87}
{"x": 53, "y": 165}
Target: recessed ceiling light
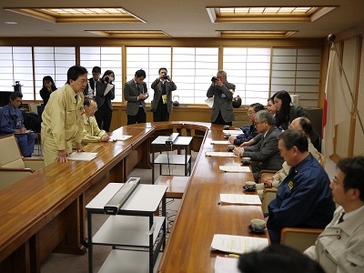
{"x": 11, "y": 23}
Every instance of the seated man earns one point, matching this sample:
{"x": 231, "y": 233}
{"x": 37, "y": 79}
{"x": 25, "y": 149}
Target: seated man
{"x": 91, "y": 131}
{"x": 265, "y": 152}
{"x": 340, "y": 247}
{"x": 301, "y": 124}
{"x": 12, "y": 122}
{"x": 304, "y": 198}
{"x": 249, "y": 131}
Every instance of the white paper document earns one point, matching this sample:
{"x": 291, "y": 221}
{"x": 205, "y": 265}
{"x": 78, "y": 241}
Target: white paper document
{"x": 119, "y": 138}
{"x": 232, "y": 132}
{"x": 108, "y": 88}
{"x": 226, "y": 265}
{"x": 25, "y": 132}
{"x": 244, "y": 199}
{"x": 237, "y": 244}
{"x": 235, "y": 169}
{"x": 223, "y": 142}
{"x": 220, "y": 154}
{"x": 83, "y": 156}
{"x": 209, "y": 102}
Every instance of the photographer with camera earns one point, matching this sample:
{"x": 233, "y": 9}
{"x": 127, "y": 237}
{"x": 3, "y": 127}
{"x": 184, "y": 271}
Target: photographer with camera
{"x": 161, "y": 105}
{"x": 222, "y": 91}
{"x": 104, "y": 95}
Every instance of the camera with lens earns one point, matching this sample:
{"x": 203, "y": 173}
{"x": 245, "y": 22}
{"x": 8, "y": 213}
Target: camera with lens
{"x": 214, "y": 79}
{"x": 107, "y": 79}
{"x": 165, "y": 76}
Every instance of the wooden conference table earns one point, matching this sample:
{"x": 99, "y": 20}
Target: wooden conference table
{"x": 200, "y": 215}
{"x": 45, "y": 211}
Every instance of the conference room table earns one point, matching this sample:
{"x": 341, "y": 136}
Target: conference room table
{"x": 45, "y": 212}
{"x": 201, "y": 215}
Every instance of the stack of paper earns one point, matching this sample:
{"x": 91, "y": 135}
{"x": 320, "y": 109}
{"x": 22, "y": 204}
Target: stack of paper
{"x": 119, "y": 138}
{"x": 83, "y": 156}
{"x": 226, "y": 265}
{"x": 235, "y": 132}
{"x": 235, "y": 169}
{"x": 220, "y": 154}
{"x": 222, "y": 142}
{"x": 237, "y": 244}
{"x": 243, "y": 199}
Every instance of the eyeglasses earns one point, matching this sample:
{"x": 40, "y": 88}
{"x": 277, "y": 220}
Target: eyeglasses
{"x": 250, "y": 113}
{"x": 334, "y": 180}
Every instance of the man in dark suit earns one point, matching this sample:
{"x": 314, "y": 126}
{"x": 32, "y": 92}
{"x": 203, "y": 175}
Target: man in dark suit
{"x": 222, "y": 91}
{"x": 90, "y": 90}
{"x": 265, "y": 153}
{"x": 135, "y": 93}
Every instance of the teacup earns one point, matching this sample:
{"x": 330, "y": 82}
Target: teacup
{"x": 226, "y": 136}
{"x": 246, "y": 160}
{"x": 257, "y": 225}
{"x": 250, "y": 185}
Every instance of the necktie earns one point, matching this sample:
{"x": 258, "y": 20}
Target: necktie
{"x": 138, "y": 88}
{"x": 341, "y": 219}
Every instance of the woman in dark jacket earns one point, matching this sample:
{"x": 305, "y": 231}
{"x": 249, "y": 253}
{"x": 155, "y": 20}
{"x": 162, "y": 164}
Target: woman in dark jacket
{"x": 286, "y": 112}
{"x": 104, "y": 95}
{"x": 48, "y": 88}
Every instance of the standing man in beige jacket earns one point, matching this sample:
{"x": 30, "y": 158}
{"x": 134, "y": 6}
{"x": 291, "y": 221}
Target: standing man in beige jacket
{"x": 62, "y": 124}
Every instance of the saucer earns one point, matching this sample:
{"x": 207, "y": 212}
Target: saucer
{"x": 248, "y": 189}
{"x": 256, "y": 232}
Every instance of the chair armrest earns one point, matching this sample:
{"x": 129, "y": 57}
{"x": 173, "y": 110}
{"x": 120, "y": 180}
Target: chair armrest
{"x": 16, "y": 170}
{"x": 34, "y": 163}
{"x": 265, "y": 173}
{"x": 268, "y": 195}
{"x": 9, "y": 176}
{"x": 299, "y": 238}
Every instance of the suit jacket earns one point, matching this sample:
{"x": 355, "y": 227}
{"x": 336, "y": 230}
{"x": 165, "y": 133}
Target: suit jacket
{"x": 131, "y": 96}
{"x": 266, "y": 150}
{"x": 91, "y": 85}
{"x": 340, "y": 247}
{"x": 157, "y": 87}
{"x": 223, "y": 97}
{"x": 99, "y": 94}
{"x": 100, "y": 98}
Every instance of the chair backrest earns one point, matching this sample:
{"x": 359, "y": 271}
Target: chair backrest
{"x": 269, "y": 194}
{"x": 11, "y": 155}
{"x": 299, "y": 238}
{"x": 322, "y": 160}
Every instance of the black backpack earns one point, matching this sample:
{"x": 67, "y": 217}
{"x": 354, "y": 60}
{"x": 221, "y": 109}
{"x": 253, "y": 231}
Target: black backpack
{"x": 32, "y": 121}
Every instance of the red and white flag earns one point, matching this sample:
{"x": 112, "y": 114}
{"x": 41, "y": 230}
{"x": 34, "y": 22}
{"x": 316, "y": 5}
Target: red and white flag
{"x": 336, "y": 106}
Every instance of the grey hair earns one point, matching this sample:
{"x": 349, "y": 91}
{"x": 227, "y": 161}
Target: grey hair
{"x": 222, "y": 72}
{"x": 264, "y": 115}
